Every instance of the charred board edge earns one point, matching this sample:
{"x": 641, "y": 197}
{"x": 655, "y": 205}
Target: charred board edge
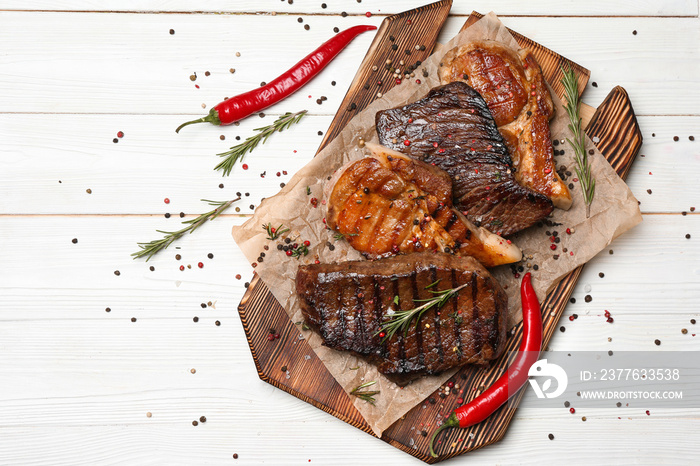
{"x": 433, "y": 15}
{"x": 614, "y": 121}
{"x": 260, "y": 312}
{"x": 620, "y": 137}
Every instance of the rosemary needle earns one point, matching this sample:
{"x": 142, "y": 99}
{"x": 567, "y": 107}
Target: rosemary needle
{"x": 583, "y": 165}
{"x": 237, "y": 152}
{"x": 401, "y": 320}
{"x": 152, "y": 247}
{"x": 368, "y": 396}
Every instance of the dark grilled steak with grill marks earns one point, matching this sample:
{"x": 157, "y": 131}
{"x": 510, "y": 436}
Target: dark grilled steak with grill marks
{"x": 512, "y": 85}
{"x": 346, "y": 304}
{"x": 452, "y": 128}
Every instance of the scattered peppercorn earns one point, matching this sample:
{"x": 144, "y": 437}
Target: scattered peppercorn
{"x": 551, "y": 436}
{"x": 133, "y": 319}
{"x": 117, "y": 273}
{"x": 657, "y": 342}
{"x": 588, "y": 298}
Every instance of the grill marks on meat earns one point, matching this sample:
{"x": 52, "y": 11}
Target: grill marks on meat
{"x": 515, "y": 91}
{"x": 453, "y": 129}
{"x": 346, "y": 304}
{"x": 390, "y": 203}
{"x": 492, "y": 70}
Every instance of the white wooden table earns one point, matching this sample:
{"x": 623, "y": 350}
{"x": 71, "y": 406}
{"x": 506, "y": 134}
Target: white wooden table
{"x": 79, "y": 385}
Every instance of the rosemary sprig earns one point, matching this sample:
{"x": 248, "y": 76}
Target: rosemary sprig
{"x": 272, "y": 232}
{"x": 237, "y": 152}
{"x": 368, "y": 396}
{"x": 152, "y": 247}
{"x": 299, "y": 251}
{"x": 583, "y": 166}
{"x": 339, "y": 236}
{"x": 401, "y": 320}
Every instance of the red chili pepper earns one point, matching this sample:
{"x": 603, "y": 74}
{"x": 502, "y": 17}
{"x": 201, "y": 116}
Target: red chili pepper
{"x": 238, "y": 107}
{"x": 509, "y": 383}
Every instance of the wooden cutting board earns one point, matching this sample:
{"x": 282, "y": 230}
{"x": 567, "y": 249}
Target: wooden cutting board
{"x": 613, "y": 124}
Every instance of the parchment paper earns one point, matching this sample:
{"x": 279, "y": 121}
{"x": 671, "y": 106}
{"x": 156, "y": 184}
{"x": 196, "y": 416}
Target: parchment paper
{"x": 614, "y": 210}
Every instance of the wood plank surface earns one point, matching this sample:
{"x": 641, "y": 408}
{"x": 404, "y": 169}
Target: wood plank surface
{"x": 614, "y": 125}
{"x": 78, "y": 150}
{"x": 386, "y": 7}
{"x": 104, "y": 76}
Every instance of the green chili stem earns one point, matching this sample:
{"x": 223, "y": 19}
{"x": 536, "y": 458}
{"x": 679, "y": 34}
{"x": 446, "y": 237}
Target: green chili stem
{"x": 212, "y": 117}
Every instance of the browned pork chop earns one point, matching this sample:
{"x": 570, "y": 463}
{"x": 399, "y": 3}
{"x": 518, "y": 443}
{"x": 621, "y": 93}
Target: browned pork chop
{"x": 347, "y": 303}
{"x": 390, "y": 203}
{"x": 453, "y": 129}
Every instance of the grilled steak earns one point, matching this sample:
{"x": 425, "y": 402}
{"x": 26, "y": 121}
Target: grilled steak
{"x": 390, "y": 203}
{"x": 515, "y": 91}
{"x": 452, "y": 128}
{"x": 347, "y": 303}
